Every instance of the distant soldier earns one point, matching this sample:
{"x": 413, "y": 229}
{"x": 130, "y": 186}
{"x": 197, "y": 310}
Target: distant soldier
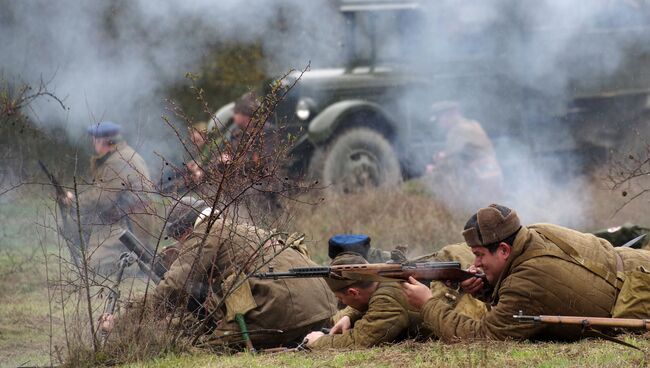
{"x": 257, "y": 141}
{"x": 540, "y": 269}
{"x": 117, "y": 198}
{"x": 468, "y": 155}
{"x": 200, "y": 149}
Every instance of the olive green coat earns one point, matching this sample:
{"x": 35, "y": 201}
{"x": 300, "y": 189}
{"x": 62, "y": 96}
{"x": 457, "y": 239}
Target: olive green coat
{"x": 389, "y": 318}
{"x": 117, "y": 197}
{"x": 290, "y": 305}
{"x": 540, "y": 278}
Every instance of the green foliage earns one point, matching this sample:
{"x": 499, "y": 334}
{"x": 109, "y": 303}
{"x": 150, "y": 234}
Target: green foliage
{"x": 227, "y": 72}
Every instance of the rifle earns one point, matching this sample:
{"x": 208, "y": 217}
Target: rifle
{"x": 586, "y": 322}
{"x": 126, "y": 260}
{"x": 423, "y": 271}
{"x": 73, "y": 248}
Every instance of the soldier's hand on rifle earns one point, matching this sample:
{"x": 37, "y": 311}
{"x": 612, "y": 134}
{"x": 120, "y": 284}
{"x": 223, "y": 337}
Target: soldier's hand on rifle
{"x": 341, "y": 326}
{"x": 106, "y": 323}
{"x": 313, "y": 336}
{"x": 416, "y": 292}
{"x": 473, "y": 285}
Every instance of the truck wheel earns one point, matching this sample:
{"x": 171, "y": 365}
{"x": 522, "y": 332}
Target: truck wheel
{"x": 358, "y": 159}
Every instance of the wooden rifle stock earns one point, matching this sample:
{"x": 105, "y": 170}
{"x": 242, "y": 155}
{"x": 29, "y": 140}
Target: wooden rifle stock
{"x": 586, "y": 322}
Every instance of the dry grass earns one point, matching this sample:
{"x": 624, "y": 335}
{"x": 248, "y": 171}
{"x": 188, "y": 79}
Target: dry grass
{"x": 390, "y": 218}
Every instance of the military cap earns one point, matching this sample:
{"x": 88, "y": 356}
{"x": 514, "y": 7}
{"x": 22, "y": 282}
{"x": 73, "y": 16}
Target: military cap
{"x": 358, "y": 243}
{"x": 492, "y": 224}
{"x": 344, "y": 259}
{"x": 247, "y": 104}
{"x": 184, "y": 215}
{"x": 104, "y": 129}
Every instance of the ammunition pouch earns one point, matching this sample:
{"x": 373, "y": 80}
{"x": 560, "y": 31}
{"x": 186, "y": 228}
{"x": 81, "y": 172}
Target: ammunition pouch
{"x": 632, "y": 300}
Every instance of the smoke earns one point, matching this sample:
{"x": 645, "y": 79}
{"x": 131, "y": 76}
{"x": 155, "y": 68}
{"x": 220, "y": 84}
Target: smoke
{"x": 112, "y": 60}
{"x": 543, "y": 54}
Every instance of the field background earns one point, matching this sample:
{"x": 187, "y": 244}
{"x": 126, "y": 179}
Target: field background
{"x": 31, "y": 318}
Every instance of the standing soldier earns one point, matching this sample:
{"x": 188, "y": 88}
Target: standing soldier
{"x": 118, "y": 196}
{"x": 468, "y": 154}
{"x": 256, "y": 140}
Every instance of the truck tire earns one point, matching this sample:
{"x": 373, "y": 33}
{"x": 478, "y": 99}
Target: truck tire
{"x": 360, "y": 158}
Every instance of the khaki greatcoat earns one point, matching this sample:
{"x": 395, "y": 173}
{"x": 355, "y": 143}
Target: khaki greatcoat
{"x": 118, "y": 197}
{"x": 295, "y": 306}
{"x": 540, "y": 278}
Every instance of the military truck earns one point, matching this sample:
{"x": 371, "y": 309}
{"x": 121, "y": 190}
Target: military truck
{"x": 556, "y": 92}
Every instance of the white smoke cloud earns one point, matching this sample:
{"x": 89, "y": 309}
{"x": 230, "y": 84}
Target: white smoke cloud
{"x": 112, "y": 59}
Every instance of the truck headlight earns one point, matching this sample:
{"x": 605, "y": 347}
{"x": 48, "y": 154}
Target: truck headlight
{"x": 304, "y": 108}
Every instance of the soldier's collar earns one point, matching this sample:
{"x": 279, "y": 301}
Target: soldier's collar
{"x": 517, "y": 249}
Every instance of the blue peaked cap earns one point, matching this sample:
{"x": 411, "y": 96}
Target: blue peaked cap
{"x": 104, "y": 129}
{"x": 358, "y": 243}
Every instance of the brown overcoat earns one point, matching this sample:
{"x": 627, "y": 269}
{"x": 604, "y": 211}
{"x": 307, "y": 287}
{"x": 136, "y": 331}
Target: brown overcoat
{"x": 389, "y": 318}
{"x": 117, "y": 197}
{"x": 540, "y": 278}
{"x": 294, "y": 306}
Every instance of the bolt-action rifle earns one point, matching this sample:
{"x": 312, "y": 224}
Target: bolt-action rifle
{"x": 423, "y": 271}
{"x": 586, "y": 322}
{"x": 66, "y": 229}
{"x": 589, "y": 323}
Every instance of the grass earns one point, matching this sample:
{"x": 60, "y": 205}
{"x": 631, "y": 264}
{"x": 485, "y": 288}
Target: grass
{"x": 30, "y": 330}
{"x": 590, "y": 353}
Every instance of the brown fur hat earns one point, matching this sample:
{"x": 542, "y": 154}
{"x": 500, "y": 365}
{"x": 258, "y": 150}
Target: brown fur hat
{"x": 493, "y": 224}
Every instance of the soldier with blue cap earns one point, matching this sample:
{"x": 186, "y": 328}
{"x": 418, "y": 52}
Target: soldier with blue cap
{"x": 116, "y": 198}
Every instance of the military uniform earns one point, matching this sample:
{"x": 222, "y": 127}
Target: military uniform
{"x": 294, "y": 306}
{"x": 389, "y": 318}
{"x": 117, "y": 198}
{"x": 551, "y": 270}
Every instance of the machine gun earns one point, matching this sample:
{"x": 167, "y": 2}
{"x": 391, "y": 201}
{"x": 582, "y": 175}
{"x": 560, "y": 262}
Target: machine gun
{"x": 423, "y": 271}
{"x": 74, "y": 247}
{"x": 143, "y": 256}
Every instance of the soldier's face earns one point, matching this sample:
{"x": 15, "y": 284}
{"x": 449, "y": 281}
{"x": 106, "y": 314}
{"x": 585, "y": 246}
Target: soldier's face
{"x": 492, "y": 264}
{"x": 241, "y": 120}
{"x": 356, "y": 298}
{"x": 101, "y": 146}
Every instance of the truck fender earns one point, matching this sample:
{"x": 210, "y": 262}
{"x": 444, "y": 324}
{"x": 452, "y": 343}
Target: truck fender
{"x": 334, "y": 116}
